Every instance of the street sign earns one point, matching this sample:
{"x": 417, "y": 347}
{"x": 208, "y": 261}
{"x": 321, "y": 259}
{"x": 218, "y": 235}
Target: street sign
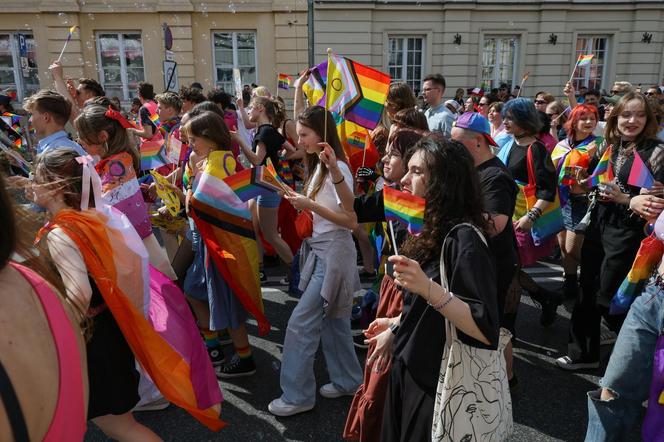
{"x": 171, "y": 82}
{"x": 23, "y": 55}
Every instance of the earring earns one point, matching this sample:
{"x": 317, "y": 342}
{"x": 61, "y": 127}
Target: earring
{"x": 105, "y": 147}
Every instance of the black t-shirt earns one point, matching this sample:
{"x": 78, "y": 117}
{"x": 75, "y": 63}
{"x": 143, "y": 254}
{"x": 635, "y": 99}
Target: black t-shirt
{"x": 273, "y": 140}
{"x": 499, "y": 194}
{"x": 545, "y": 173}
{"x": 144, "y": 115}
{"x": 421, "y": 337}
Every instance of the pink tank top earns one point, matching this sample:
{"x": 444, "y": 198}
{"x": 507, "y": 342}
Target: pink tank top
{"x": 69, "y": 418}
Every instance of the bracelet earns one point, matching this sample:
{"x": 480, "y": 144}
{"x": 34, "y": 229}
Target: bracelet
{"x": 394, "y": 328}
{"x": 340, "y": 181}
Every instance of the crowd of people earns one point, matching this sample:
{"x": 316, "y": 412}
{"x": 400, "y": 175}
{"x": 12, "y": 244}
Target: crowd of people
{"x": 507, "y": 181}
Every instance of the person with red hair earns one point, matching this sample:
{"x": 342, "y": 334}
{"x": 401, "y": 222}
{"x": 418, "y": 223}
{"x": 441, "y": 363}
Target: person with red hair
{"x": 570, "y": 156}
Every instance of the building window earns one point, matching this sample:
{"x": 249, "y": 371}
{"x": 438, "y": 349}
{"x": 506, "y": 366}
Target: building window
{"x": 406, "y": 59}
{"x": 121, "y": 65}
{"x": 234, "y": 50}
{"x": 591, "y": 76}
{"x": 499, "y": 61}
{"x": 18, "y": 64}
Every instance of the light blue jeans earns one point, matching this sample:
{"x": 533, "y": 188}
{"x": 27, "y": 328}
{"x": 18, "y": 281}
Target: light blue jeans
{"x": 307, "y": 327}
{"x": 629, "y": 372}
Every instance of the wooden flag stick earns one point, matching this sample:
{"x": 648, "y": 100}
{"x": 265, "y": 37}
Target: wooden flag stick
{"x": 329, "y": 52}
{"x": 523, "y": 81}
{"x": 573, "y": 70}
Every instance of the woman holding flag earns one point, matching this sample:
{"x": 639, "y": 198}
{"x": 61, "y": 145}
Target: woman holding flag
{"x": 570, "y": 155}
{"x": 328, "y": 278}
{"x": 614, "y": 233}
{"x": 443, "y": 173}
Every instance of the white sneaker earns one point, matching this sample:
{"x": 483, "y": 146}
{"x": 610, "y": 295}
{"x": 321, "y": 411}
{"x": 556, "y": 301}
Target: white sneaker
{"x": 281, "y": 408}
{"x": 567, "y": 363}
{"x": 159, "y": 404}
{"x": 330, "y": 391}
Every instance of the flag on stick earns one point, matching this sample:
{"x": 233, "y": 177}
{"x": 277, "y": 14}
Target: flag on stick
{"x": 584, "y": 60}
{"x": 284, "y": 81}
{"x": 405, "y": 208}
{"x": 603, "y": 171}
{"x": 69, "y": 36}
{"x": 640, "y": 175}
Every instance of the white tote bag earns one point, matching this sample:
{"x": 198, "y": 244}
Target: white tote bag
{"x": 473, "y": 400}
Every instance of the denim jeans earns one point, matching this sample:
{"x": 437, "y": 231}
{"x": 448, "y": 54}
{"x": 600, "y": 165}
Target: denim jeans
{"x": 307, "y": 327}
{"x": 629, "y": 372}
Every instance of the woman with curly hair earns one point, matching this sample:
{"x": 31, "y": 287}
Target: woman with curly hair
{"x": 443, "y": 173}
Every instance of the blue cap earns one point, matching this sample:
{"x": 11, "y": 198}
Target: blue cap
{"x": 477, "y": 123}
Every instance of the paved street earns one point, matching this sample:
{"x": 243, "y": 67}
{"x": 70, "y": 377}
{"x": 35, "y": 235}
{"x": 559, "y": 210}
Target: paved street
{"x": 550, "y": 404}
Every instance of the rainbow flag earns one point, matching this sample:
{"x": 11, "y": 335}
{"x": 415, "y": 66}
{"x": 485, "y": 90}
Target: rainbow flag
{"x": 153, "y": 154}
{"x": 286, "y": 172}
{"x": 647, "y": 258}
{"x": 155, "y": 119}
{"x": 640, "y": 175}
{"x": 343, "y": 89}
{"x": 364, "y": 111}
{"x": 253, "y": 182}
{"x": 584, "y": 60}
{"x": 224, "y": 222}
{"x": 405, "y": 208}
{"x": 603, "y": 171}
{"x": 284, "y": 81}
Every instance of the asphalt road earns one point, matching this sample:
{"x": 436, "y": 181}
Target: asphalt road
{"x": 549, "y": 405}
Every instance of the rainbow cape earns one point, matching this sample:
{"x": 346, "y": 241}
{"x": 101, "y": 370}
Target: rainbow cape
{"x": 180, "y": 368}
{"x": 603, "y": 171}
{"x": 252, "y": 182}
{"x": 284, "y": 81}
{"x": 647, "y": 258}
{"x": 153, "y": 154}
{"x": 224, "y": 222}
{"x": 565, "y": 158}
{"x": 639, "y": 174}
{"x": 357, "y": 92}
{"x": 405, "y": 208}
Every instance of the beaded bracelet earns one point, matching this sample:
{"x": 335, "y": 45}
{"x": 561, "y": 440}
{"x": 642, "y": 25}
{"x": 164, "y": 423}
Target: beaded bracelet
{"x": 442, "y": 304}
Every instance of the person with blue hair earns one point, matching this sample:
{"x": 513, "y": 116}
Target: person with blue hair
{"x": 517, "y": 149}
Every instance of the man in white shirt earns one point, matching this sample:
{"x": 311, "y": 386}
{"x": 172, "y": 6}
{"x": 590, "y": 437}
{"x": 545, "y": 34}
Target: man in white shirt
{"x": 439, "y": 117}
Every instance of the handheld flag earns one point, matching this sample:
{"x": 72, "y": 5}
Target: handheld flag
{"x": 153, "y": 155}
{"x": 155, "y": 119}
{"x": 342, "y": 90}
{"x": 284, "y": 81}
{"x": 584, "y": 60}
{"x": 252, "y": 182}
{"x": 603, "y": 171}
{"x": 69, "y": 36}
{"x": 640, "y": 175}
{"x": 405, "y": 208}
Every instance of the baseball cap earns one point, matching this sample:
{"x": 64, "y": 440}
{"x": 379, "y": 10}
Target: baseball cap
{"x": 477, "y": 123}
{"x": 455, "y": 104}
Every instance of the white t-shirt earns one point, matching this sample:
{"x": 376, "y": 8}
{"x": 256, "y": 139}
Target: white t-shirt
{"x": 327, "y": 197}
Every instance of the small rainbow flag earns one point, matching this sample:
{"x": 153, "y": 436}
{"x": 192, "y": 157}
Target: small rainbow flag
{"x": 405, "y": 208}
{"x": 584, "y": 60}
{"x": 285, "y": 171}
{"x": 640, "y": 175}
{"x": 284, "y": 81}
{"x": 253, "y": 182}
{"x": 603, "y": 172}
{"x": 155, "y": 119}
{"x": 153, "y": 155}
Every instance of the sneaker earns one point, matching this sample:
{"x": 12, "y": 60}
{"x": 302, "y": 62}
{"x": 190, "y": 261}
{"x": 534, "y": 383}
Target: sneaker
{"x": 262, "y": 275}
{"x": 224, "y": 337}
{"x": 216, "y": 355}
{"x": 159, "y": 404}
{"x": 566, "y": 363}
{"x": 607, "y": 337}
{"x": 281, "y": 408}
{"x": 284, "y": 281}
{"x": 330, "y": 391}
{"x": 236, "y": 368}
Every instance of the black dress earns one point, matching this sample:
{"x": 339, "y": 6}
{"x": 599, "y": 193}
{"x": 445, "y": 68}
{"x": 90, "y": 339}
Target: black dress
{"x": 418, "y": 345}
{"x": 112, "y": 371}
{"x": 610, "y": 245}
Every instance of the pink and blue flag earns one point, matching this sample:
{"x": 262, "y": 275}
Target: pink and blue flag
{"x": 640, "y": 175}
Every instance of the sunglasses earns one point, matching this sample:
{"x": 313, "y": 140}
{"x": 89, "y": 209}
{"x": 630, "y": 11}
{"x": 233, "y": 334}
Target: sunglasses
{"x": 649, "y": 94}
{"x": 540, "y": 102}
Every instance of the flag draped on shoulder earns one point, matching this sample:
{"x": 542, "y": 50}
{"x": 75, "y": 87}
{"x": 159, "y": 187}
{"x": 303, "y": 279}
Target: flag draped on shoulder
{"x": 224, "y": 222}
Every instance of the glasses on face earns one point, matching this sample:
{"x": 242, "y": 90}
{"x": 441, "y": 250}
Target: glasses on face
{"x": 540, "y": 102}
{"x": 649, "y": 94}
{"x": 483, "y": 104}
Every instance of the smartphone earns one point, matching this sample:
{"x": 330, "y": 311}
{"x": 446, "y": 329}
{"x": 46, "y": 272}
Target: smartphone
{"x": 389, "y": 269}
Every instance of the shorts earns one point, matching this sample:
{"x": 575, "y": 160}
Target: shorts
{"x": 270, "y": 201}
{"x": 574, "y": 211}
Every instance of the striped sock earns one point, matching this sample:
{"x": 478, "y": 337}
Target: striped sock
{"x": 210, "y": 337}
{"x": 243, "y": 352}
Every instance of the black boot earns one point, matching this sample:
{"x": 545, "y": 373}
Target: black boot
{"x": 549, "y": 301}
{"x": 570, "y": 286}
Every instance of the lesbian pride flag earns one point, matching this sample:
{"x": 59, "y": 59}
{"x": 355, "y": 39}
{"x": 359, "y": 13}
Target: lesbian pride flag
{"x": 405, "y": 208}
{"x": 639, "y": 175}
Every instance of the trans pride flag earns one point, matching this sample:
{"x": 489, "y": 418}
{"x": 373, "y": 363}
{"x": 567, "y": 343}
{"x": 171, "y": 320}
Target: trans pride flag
{"x": 405, "y": 208}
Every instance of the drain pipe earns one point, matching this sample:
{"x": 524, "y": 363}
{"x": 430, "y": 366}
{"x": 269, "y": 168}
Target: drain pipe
{"x": 310, "y": 28}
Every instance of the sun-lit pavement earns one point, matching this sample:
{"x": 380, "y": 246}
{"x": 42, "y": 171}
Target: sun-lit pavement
{"x": 549, "y": 405}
